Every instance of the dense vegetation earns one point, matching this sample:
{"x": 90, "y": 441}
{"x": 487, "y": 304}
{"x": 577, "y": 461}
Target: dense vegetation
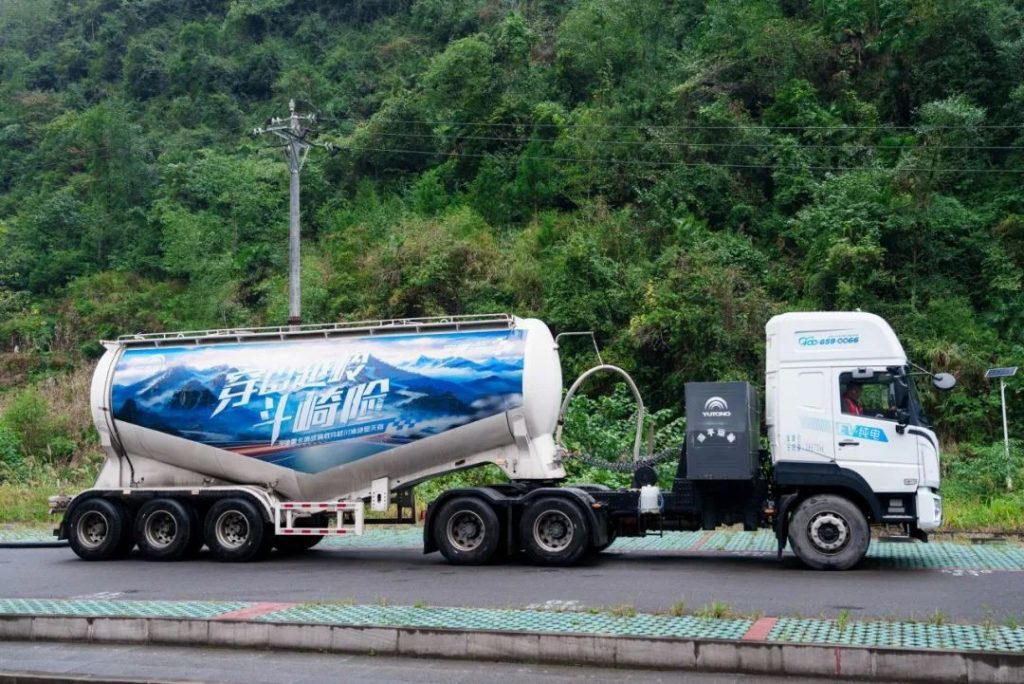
{"x": 668, "y": 174}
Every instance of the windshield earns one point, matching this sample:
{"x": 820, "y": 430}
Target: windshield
{"x": 914, "y": 406}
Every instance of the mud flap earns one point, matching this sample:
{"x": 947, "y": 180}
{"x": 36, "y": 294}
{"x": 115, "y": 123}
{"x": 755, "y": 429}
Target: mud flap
{"x": 782, "y": 521}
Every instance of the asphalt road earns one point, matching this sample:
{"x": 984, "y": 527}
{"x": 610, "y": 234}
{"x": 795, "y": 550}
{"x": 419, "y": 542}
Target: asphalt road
{"x": 647, "y": 582}
{"x": 97, "y": 663}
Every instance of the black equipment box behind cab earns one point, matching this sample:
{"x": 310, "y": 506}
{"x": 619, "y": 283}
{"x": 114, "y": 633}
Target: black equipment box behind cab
{"x": 722, "y": 431}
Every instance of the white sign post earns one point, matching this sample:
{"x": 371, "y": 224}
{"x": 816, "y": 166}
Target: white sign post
{"x": 1002, "y": 374}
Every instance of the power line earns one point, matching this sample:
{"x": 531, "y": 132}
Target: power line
{"x": 757, "y": 127}
{"x": 652, "y": 163}
{"x": 663, "y": 143}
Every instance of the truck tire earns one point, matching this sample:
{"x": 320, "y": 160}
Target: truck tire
{"x": 292, "y": 544}
{"x": 165, "y": 529}
{"x": 829, "y": 532}
{"x": 598, "y": 548}
{"x": 235, "y": 532}
{"x": 467, "y": 531}
{"x": 554, "y": 531}
{"x": 100, "y": 529}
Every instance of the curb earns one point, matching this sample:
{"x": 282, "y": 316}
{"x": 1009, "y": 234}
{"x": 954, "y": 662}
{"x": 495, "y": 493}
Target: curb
{"x": 708, "y": 655}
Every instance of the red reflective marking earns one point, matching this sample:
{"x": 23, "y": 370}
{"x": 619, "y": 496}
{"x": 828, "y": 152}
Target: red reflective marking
{"x": 760, "y": 629}
{"x": 253, "y": 610}
{"x": 324, "y": 531}
{"x": 306, "y": 505}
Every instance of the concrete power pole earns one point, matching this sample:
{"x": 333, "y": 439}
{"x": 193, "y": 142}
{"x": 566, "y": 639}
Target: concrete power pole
{"x": 296, "y": 134}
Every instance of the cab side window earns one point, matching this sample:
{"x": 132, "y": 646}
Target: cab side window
{"x": 871, "y": 397}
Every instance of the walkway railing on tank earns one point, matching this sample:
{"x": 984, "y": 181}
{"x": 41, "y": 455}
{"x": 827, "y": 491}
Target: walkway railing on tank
{"x": 378, "y": 327}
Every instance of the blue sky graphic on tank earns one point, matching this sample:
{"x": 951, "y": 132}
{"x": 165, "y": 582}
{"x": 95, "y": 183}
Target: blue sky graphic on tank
{"x": 314, "y": 405}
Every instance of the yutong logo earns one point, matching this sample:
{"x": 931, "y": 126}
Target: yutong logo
{"x": 716, "y": 407}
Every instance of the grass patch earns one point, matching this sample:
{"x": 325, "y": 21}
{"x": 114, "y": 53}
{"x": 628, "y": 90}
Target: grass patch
{"x": 998, "y": 513}
{"x": 25, "y": 501}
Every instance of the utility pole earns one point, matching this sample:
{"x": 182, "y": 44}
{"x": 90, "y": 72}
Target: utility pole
{"x": 1002, "y": 374}
{"x": 297, "y": 136}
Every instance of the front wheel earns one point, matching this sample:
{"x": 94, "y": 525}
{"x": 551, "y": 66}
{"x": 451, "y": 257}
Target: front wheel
{"x": 829, "y": 532}
{"x": 554, "y": 532}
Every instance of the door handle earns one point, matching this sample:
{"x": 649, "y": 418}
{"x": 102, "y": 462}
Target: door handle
{"x": 848, "y": 442}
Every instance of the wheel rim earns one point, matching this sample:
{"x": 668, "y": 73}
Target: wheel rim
{"x": 161, "y": 529}
{"x": 232, "y": 529}
{"x": 92, "y": 529}
{"x": 829, "y": 532}
{"x": 466, "y": 530}
{"x": 553, "y": 531}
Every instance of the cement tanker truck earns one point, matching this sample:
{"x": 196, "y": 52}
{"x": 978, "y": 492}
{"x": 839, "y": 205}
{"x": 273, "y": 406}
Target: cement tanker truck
{"x": 248, "y": 440}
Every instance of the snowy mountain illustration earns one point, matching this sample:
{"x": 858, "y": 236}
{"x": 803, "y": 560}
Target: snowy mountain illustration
{"x": 425, "y": 395}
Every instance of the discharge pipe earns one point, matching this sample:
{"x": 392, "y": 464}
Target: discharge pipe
{"x": 632, "y": 387}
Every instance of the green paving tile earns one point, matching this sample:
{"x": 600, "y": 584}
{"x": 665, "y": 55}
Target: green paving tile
{"x": 899, "y": 635}
{"x": 789, "y": 630}
{"x": 85, "y": 608}
{"x": 669, "y": 541}
{"x": 26, "y": 534}
{"x": 409, "y": 537}
{"x": 514, "y": 620}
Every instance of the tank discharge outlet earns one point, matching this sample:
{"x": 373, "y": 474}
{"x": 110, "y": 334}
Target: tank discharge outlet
{"x": 721, "y": 431}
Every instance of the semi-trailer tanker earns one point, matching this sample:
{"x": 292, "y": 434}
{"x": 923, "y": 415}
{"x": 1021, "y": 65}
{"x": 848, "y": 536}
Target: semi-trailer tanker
{"x": 245, "y": 440}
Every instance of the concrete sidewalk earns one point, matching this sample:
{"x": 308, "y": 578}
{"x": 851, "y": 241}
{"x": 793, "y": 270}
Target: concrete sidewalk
{"x": 776, "y": 646}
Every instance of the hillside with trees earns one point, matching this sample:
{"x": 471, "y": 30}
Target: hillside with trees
{"x": 667, "y": 174}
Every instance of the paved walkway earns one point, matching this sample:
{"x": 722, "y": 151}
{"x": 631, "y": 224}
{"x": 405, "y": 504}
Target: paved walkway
{"x": 910, "y": 635}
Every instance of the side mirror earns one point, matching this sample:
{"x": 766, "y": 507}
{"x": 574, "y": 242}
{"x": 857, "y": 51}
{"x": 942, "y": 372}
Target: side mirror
{"x": 943, "y": 381}
{"x": 902, "y": 420}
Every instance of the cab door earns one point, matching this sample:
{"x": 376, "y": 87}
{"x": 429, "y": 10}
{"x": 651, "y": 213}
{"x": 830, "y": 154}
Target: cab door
{"x": 869, "y": 443}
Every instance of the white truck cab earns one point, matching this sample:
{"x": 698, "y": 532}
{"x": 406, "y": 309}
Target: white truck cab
{"x": 841, "y": 407}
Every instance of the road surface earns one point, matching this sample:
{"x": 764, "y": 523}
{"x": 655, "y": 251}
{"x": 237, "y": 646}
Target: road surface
{"x": 645, "y": 581}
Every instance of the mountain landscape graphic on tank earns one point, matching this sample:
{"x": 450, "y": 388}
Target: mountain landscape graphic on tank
{"x": 314, "y": 405}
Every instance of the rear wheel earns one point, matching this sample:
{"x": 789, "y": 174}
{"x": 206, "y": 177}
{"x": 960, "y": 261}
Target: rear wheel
{"x": 290, "y": 544}
{"x": 554, "y": 531}
{"x": 166, "y": 529}
{"x": 829, "y": 532}
{"x": 235, "y": 531}
{"x": 99, "y": 529}
{"x": 467, "y": 531}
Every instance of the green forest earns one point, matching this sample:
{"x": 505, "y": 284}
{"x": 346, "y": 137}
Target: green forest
{"x": 668, "y": 174}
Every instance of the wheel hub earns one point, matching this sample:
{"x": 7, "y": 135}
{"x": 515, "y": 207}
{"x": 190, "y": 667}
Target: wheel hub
{"x": 161, "y": 529}
{"x": 553, "y": 531}
{"x": 92, "y": 529}
{"x": 465, "y": 530}
{"x": 829, "y": 532}
{"x": 232, "y": 529}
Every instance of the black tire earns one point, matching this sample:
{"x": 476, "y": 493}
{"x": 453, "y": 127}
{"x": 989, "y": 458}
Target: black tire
{"x": 554, "y": 531}
{"x": 291, "y": 544}
{"x": 99, "y": 529}
{"x": 235, "y": 531}
{"x": 829, "y": 532}
{"x": 467, "y": 531}
{"x": 165, "y": 529}
{"x": 598, "y": 548}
